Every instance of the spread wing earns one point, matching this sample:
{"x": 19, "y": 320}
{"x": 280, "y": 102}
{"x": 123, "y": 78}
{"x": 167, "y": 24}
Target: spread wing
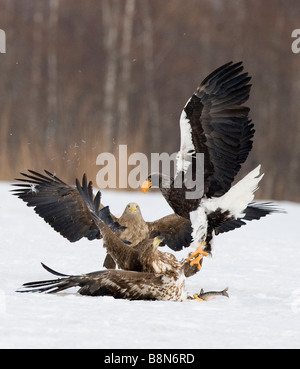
{"x": 66, "y": 208}
{"x": 176, "y": 230}
{"x": 117, "y": 283}
{"x": 215, "y": 122}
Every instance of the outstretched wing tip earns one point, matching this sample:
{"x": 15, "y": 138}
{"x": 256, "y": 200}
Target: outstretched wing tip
{"x": 65, "y": 208}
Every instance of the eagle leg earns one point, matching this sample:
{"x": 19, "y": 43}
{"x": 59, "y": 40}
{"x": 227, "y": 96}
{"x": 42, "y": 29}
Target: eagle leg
{"x": 196, "y": 257}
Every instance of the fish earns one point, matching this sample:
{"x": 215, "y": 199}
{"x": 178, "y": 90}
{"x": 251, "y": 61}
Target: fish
{"x": 206, "y": 296}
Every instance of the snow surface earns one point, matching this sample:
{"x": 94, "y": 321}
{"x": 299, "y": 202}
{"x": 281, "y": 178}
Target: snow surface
{"x": 260, "y": 263}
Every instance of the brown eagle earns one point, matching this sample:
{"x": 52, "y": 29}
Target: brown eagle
{"x": 68, "y": 211}
{"x": 174, "y": 230}
{"x": 146, "y": 274}
{"x": 139, "y": 258}
{"x": 117, "y": 283}
{"x": 75, "y": 212}
{"x": 214, "y": 122}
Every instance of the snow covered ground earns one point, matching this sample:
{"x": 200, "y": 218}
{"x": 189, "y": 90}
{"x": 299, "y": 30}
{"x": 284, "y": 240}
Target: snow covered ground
{"x": 260, "y": 263}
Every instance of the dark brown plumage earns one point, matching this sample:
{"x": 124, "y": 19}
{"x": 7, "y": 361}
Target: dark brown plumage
{"x": 120, "y": 284}
{"x": 61, "y": 205}
{"x": 68, "y": 210}
{"x": 143, "y": 257}
{"x": 175, "y": 230}
{"x": 147, "y": 273}
{"x": 74, "y": 212}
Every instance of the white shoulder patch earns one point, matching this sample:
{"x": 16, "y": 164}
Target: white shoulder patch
{"x": 187, "y": 148}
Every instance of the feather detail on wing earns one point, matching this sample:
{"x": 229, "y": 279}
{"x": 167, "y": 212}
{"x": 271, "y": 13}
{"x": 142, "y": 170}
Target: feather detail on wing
{"x": 176, "y": 230}
{"x": 214, "y": 122}
{"x": 117, "y": 283}
{"x": 65, "y": 208}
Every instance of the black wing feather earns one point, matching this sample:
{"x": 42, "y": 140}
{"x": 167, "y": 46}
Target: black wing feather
{"x": 60, "y": 205}
{"x": 176, "y": 230}
{"x": 254, "y": 211}
{"x": 220, "y": 125}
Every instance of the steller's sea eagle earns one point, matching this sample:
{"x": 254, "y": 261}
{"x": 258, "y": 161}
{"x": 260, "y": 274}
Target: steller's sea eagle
{"x": 216, "y": 123}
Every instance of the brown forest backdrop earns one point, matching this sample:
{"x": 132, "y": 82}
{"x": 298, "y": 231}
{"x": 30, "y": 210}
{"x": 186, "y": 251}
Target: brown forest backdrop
{"x": 82, "y": 77}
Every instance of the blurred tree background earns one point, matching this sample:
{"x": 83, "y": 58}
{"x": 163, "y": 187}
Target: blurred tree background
{"x": 82, "y": 77}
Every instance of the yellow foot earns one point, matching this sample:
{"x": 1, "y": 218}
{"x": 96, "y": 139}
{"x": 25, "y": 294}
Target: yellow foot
{"x": 198, "y": 252}
{"x": 197, "y": 261}
{"x": 196, "y": 257}
{"x": 196, "y": 297}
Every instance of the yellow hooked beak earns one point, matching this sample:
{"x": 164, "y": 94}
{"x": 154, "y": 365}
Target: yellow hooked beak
{"x": 157, "y": 241}
{"x": 146, "y": 185}
{"x": 133, "y": 208}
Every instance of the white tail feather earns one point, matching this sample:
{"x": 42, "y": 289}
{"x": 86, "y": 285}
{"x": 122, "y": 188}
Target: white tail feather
{"x": 235, "y": 201}
{"x": 239, "y": 196}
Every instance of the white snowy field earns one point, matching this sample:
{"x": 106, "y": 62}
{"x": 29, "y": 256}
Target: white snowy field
{"x": 260, "y": 263}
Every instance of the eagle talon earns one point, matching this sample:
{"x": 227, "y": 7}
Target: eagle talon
{"x": 197, "y": 261}
{"x": 196, "y": 256}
